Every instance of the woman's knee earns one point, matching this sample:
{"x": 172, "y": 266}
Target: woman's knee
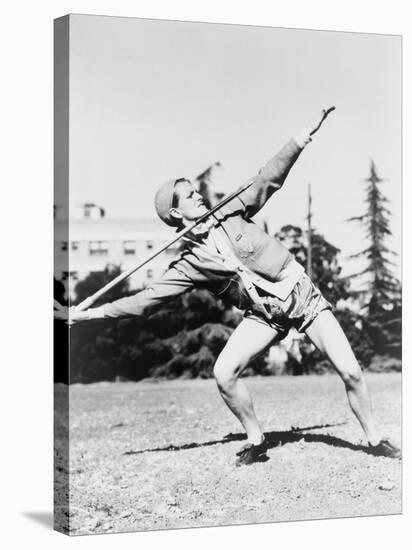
{"x": 226, "y": 372}
{"x": 352, "y": 377}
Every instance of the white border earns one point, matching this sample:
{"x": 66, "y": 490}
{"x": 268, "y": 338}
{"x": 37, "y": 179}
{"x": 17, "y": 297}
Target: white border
{"x": 26, "y": 177}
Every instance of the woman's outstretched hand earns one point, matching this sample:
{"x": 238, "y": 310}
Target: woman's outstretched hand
{"x": 70, "y": 315}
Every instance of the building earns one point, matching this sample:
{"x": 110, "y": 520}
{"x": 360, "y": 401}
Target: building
{"x": 95, "y": 241}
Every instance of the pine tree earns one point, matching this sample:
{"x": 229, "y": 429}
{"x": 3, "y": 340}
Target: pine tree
{"x": 381, "y": 292}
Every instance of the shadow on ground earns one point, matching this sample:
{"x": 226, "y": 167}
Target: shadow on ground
{"x": 274, "y": 439}
{"x": 42, "y": 518}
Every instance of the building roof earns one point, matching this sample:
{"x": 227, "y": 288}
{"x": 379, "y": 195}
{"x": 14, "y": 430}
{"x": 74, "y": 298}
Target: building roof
{"x": 112, "y": 229}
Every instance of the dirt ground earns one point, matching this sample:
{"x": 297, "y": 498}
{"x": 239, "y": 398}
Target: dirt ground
{"x": 160, "y": 455}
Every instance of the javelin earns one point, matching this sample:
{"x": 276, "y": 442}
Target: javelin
{"x": 91, "y": 299}
{"x": 325, "y": 113}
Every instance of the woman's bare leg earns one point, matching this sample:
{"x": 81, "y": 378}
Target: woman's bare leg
{"x": 249, "y": 340}
{"x": 327, "y": 335}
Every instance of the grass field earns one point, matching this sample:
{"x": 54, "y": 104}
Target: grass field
{"x": 158, "y": 455}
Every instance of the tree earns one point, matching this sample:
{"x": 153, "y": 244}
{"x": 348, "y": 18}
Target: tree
{"x": 380, "y": 293}
{"x": 96, "y": 280}
{"x": 181, "y": 337}
{"x": 326, "y": 274}
{"x": 94, "y": 351}
{"x": 325, "y": 264}
{"x": 60, "y": 339}
{"x": 206, "y": 186}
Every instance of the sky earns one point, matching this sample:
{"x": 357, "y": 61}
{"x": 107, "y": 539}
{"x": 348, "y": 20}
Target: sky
{"x": 151, "y": 100}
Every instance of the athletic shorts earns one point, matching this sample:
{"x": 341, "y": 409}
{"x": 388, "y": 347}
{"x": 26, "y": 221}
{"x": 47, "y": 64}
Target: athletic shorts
{"x": 300, "y": 308}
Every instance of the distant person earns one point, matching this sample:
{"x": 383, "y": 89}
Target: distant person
{"x": 234, "y": 258}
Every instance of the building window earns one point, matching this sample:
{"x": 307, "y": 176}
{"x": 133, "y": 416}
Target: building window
{"x": 149, "y": 245}
{"x": 64, "y": 245}
{"x": 149, "y": 273}
{"x": 99, "y": 248}
{"x": 129, "y": 247}
{"x": 75, "y": 245}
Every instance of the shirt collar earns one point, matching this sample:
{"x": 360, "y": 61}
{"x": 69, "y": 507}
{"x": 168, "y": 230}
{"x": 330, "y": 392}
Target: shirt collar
{"x": 201, "y": 231}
